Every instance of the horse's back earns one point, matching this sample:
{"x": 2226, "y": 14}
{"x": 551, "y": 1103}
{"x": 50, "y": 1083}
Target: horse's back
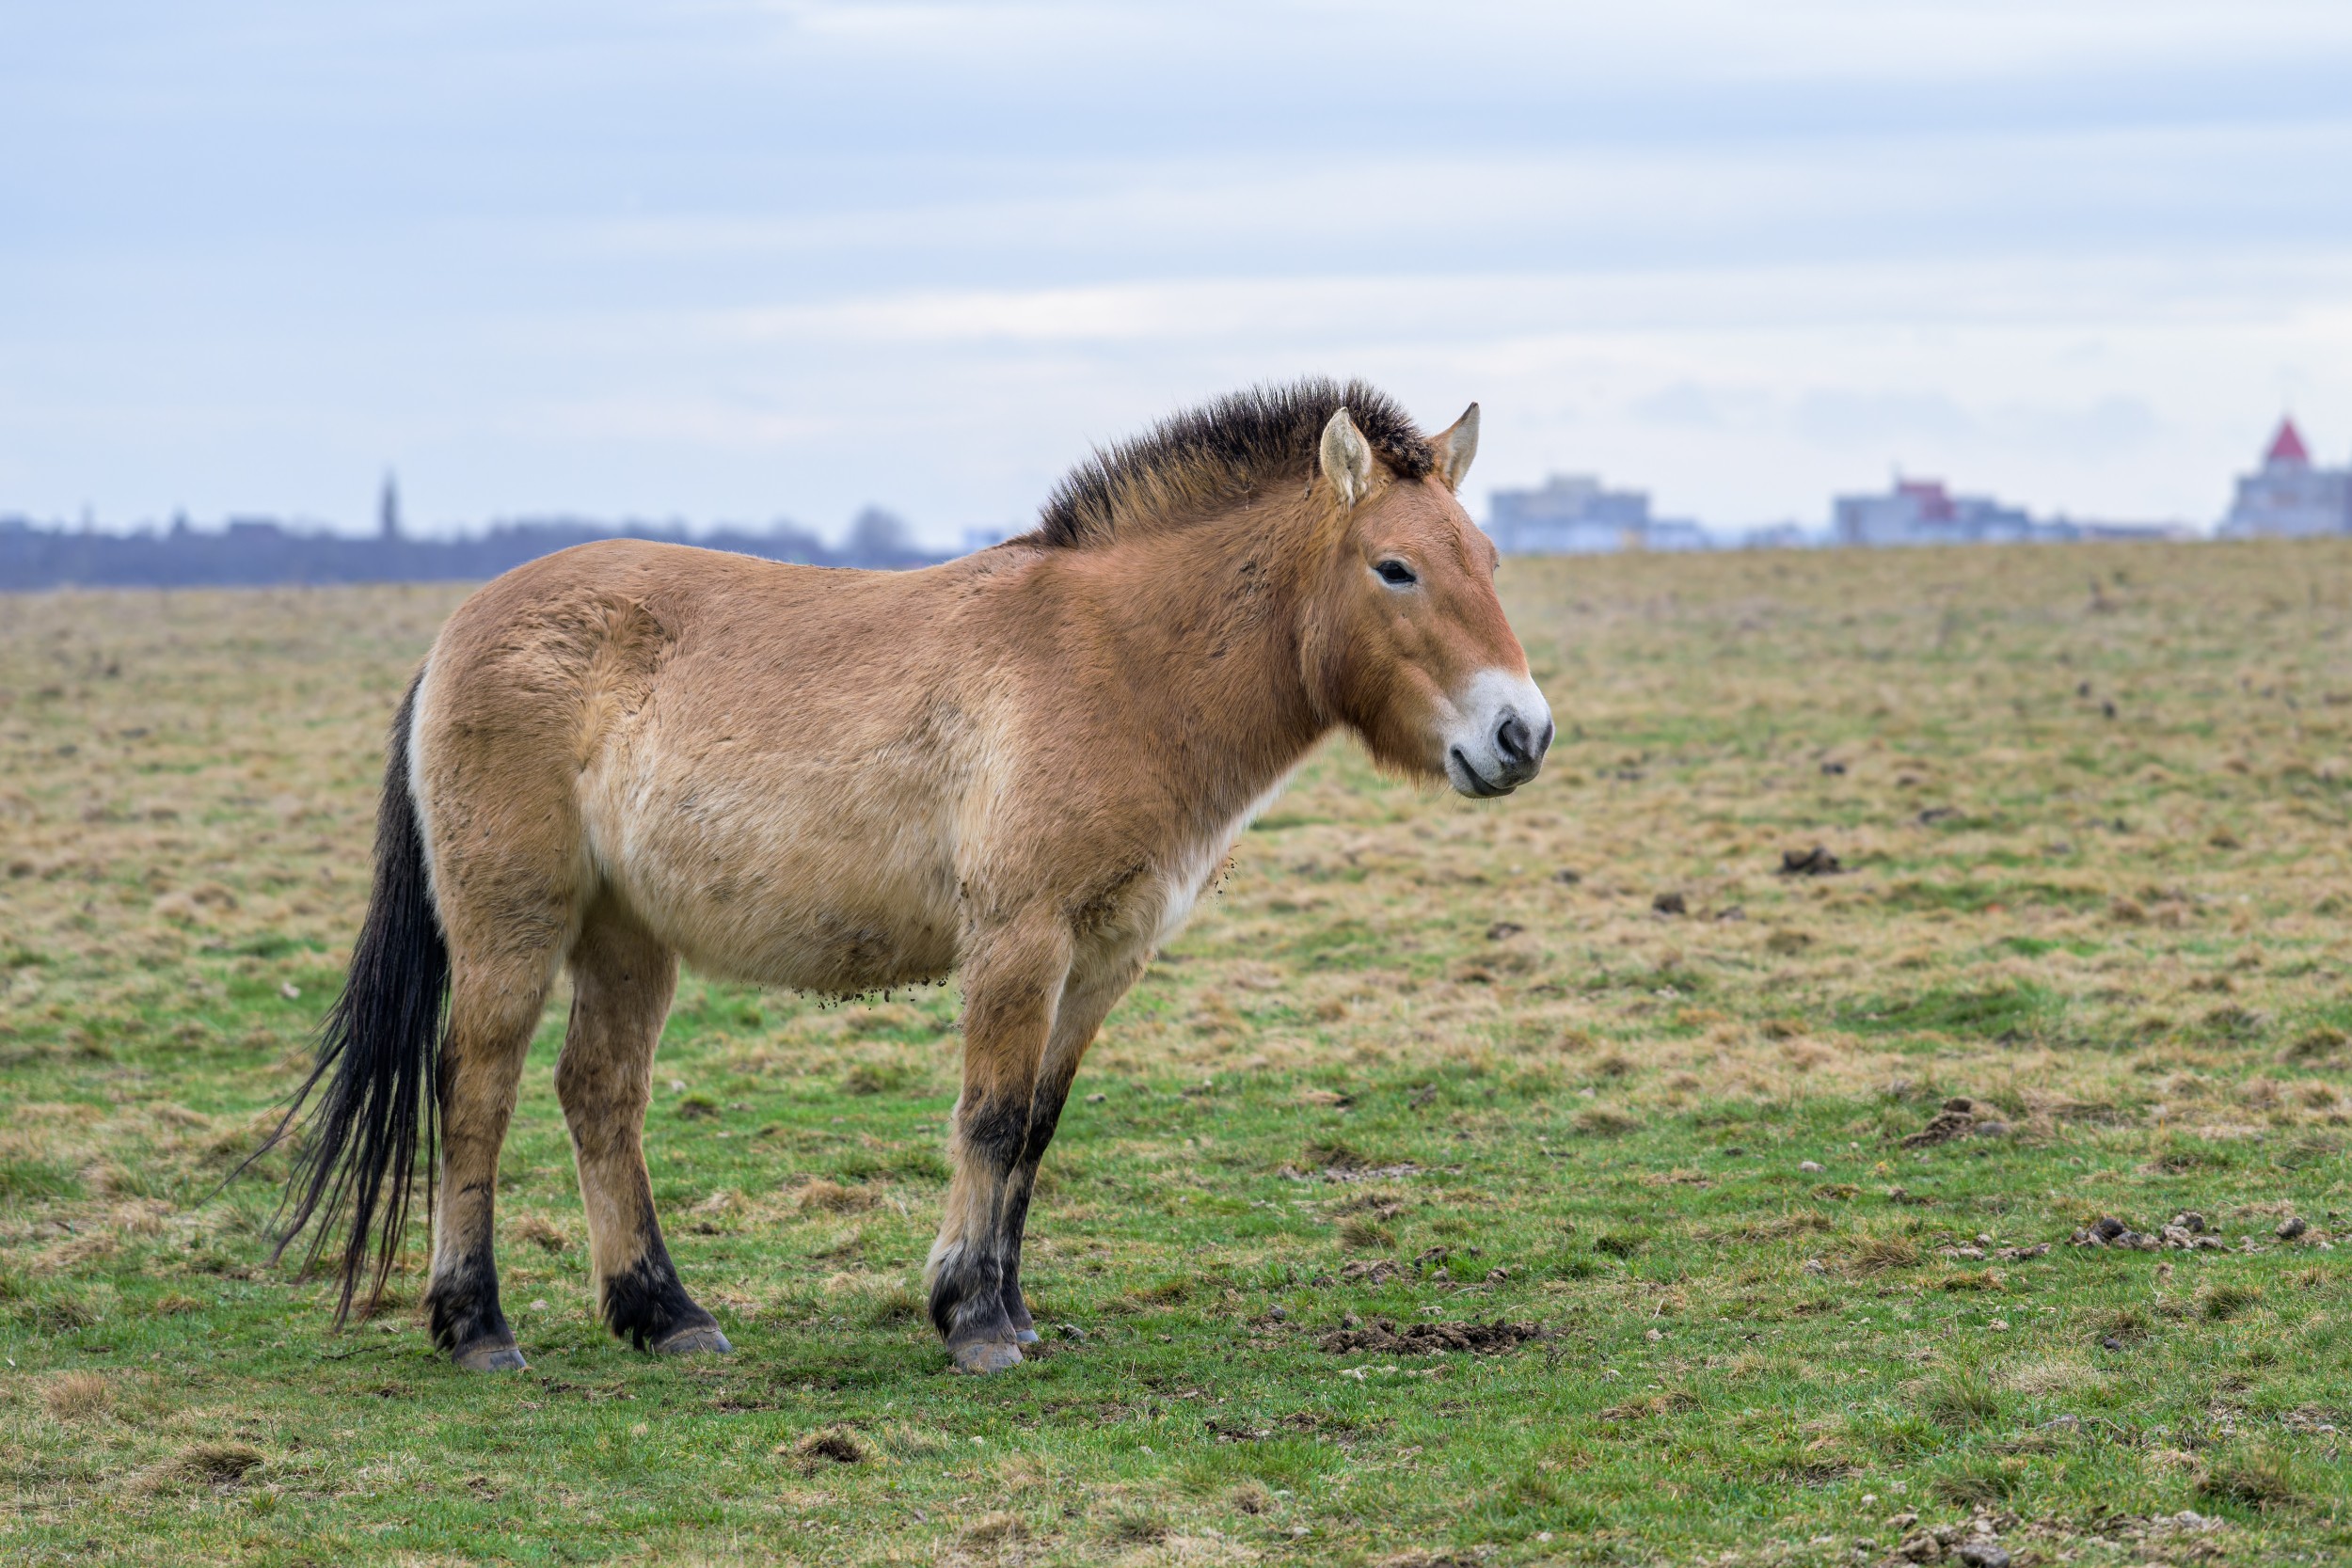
{"x": 765, "y": 763}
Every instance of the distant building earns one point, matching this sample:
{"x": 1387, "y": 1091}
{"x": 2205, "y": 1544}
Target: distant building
{"x": 2092, "y": 533}
{"x": 1780, "y": 536}
{"x": 2288, "y": 497}
{"x": 1572, "y": 514}
{"x": 1923, "y": 511}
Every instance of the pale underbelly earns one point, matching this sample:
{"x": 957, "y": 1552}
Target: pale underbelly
{"x": 747, "y": 929}
{"x": 815, "y": 911}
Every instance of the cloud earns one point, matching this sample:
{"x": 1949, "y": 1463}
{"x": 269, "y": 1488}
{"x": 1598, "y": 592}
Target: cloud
{"x": 735, "y": 257}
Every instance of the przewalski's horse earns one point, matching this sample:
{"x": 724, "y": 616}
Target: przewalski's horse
{"x": 1022, "y": 766}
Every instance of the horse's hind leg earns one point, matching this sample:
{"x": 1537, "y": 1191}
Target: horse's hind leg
{"x": 622, "y": 981}
{"x": 493, "y": 1012}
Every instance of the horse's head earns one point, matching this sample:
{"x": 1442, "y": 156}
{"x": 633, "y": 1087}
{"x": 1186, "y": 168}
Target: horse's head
{"x": 1408, "y": 644}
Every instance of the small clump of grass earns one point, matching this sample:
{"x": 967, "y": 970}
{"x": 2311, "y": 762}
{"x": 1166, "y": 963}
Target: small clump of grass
{"x": 2258, "y": 1478}
{"x": 220, "y": 1463}
{"x": 55, "y": 1311}
{"x": 1135, "y": 1526}
{"x": 832, "y": 1445}
{"x": 1878, "y": 1253}
{"x": 831, "y": 1197}
{"x": 2220, "y": 1303}
{"x": 1956, "y": 1406}
{"x": 1981, "y": 1483}
{"x": 2316, "y": 1045}
{"x": 1332, "y": 1154}
{"x": 77, "y": 1396}
{"x": 540, "y": 1232}
{"x": 871, "y": 1078}
{"x": 1605, "y": 1121}
{"x": 991, "y": 1531}
{"x": 894, "y": 1305}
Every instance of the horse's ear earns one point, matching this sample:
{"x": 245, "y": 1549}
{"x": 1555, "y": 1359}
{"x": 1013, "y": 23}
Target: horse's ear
{"x": 1346, "y": 459}
{"x": 1456, "y": 446}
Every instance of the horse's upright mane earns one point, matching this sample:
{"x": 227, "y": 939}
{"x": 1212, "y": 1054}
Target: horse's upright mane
{"x": 1218, "y": 455}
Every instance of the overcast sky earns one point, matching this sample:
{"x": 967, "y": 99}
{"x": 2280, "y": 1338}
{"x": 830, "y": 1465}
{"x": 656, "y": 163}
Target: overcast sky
{"x": 726, "y": 260}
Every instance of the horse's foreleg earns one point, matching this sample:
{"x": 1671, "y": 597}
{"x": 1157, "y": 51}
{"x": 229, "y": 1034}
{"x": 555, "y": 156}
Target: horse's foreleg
{"x": 492, "y": 1014}
{"x": 1013, "y": 982}
{"x": 1085, "y": 1003}
{"x": 622, "y": 982}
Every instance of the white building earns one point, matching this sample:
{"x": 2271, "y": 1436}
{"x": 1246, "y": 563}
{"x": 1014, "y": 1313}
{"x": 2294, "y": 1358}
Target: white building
{"x": 1573, "y": 515}
{"x": 2287, "y": 497}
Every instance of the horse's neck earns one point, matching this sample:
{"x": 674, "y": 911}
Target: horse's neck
{"x": 1214, "y": 614}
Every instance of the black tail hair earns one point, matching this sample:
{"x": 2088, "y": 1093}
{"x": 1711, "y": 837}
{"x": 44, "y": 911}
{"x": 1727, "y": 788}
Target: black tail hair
{"x": 381, "y": 1046}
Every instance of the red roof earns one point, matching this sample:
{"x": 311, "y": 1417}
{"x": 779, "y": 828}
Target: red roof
{"x": 2287, "y": 445}
{"x": 1935, "y": 506}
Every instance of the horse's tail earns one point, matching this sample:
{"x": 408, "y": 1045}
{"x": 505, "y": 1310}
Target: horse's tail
{"x": 379, "y": 1056}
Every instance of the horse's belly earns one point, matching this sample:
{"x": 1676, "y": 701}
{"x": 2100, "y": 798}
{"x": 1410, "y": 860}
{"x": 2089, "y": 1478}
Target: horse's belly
{"x": 805, "y": 904}
{"x": 839, "y": 952}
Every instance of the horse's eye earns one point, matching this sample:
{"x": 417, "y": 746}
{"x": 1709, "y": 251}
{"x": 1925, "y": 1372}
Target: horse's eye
{"x": 1396, "y": 574}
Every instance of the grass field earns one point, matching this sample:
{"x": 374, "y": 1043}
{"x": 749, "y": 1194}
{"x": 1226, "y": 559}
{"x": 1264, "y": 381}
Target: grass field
{"x": 1583, "y": 1060}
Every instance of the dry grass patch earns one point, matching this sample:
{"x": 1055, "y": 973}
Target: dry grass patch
{"x": 77, "y": 1396}
{"x": 831, "y": 1198}
{"x": 2054, "y": 1377}
{"x": 1605, "y": 1121}
{"x": 1878, "y": 1253}
{"x": 539, "y": 1231}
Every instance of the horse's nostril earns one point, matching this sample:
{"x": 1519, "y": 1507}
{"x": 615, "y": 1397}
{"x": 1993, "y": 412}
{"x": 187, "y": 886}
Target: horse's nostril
{"x": 1543, "y": 743}
{"x": 1512, "y": 740}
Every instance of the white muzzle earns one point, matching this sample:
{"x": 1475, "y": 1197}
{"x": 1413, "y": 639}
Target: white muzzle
{"x": 1501, "y": 730}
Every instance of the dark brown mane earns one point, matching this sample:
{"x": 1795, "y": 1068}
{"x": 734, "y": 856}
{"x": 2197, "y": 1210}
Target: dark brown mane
{"x": 1219, "y": 454}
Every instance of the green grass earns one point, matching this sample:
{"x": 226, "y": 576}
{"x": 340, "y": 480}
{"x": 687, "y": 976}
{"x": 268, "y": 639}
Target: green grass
{"x": 1400, "y": 1071}
{"x": 1740, "y": 1350}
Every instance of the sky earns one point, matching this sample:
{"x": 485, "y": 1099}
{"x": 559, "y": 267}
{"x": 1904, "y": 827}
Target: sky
{"x": 738, "y": 261}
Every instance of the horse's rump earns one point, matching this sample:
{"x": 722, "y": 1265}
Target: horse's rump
{"x": 759, "y": 761}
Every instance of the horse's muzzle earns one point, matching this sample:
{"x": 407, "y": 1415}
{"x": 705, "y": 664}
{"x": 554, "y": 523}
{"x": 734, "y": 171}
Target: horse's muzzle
{"x": 1500, "y": 743}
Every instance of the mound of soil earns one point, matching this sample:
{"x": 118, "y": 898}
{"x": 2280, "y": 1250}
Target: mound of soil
{"x": 1383, "y": 1337}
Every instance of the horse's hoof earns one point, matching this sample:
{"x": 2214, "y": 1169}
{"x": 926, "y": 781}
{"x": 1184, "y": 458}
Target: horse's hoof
{"x": 695, "y": 1339}
{"x": 488, "y": 1357}
{"x": 982, "y": 1356}
{"x": 1025, "y": 1336}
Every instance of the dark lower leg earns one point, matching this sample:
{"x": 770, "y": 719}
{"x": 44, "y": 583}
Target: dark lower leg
{"x": 643, "y": 1303}
{"x": 1016, "y": 1217}
{"x": 1075, "y": 1021}
{"x": 1044, "y": 1116}
{"x": 462, "y": 1303}
{"x": 1014, "y": 978}
{"x": 622, "y": 984}
{"x": 481, "y": 1066}
{"x": 970, "y": 1263}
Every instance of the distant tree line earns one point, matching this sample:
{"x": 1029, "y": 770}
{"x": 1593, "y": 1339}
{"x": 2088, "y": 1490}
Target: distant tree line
{"x": 250, "y": 552}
